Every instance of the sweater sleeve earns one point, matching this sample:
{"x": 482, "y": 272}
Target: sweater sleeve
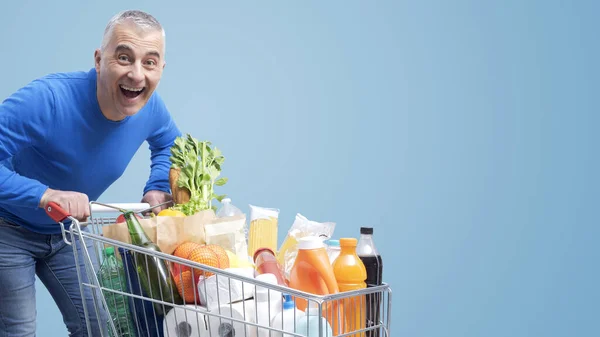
{"x": 160, "y": 142}
{"x": 24, "y": 120}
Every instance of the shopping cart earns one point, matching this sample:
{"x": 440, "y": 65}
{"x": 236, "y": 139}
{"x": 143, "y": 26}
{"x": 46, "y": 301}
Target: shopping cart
{"x": 216, "y": 309}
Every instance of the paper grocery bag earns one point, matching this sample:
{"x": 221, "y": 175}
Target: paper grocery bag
{"x": 167, "y": 232}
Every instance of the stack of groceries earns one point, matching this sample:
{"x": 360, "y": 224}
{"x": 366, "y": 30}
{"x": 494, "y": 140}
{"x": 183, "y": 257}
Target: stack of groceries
{"x": 244, "y": 274}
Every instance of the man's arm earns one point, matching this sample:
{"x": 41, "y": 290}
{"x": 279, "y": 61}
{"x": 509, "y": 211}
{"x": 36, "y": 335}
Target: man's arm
{"x": 24, "y": 121}
{"x": 25, "y": 118}
{"x": 157, "y": 189}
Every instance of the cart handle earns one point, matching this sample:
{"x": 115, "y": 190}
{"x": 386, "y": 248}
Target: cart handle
{"x": 59, "y": 214}
{"x": 56, "y": 212}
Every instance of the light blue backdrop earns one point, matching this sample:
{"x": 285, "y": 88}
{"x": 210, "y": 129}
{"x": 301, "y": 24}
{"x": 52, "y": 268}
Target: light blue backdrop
{"x": 463, "y": 131}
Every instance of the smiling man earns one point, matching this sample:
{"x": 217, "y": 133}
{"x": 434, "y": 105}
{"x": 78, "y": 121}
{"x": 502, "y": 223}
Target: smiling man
{"x": 66, "y": 137}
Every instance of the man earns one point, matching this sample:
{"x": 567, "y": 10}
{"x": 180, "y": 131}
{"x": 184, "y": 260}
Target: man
{"x": 65, "y": 138}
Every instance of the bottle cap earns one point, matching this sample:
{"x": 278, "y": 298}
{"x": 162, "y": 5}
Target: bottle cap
{"x": 109, "y": 251}
{"x": 366, "y": 230}
{"x": 263, "y": 249}
{"x": 310, "y": 242}
{"x": 333, "y": 243}
{"x": 226, "y": 200}
{"x": 288, "y": 302}
{"x": 348, "y": 242}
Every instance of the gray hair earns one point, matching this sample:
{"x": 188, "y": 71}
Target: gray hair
{"x": 141, "y": 19}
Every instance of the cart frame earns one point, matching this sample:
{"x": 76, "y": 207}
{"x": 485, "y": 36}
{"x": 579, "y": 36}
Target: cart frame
{"x": 91, "y": 231}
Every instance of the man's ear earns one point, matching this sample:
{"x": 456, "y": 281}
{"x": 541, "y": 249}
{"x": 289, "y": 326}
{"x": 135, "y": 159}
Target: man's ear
{"x": 97, "y": 58}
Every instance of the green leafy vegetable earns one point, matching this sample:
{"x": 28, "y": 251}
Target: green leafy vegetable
{"x": 200, "y": 168}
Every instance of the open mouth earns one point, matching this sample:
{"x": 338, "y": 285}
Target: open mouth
{"x": 130, "y": 92}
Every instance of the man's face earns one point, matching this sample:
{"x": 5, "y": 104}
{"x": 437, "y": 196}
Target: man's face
{"x": 129, "y": 69}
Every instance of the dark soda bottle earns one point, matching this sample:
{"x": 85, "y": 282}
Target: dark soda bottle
{"x": 367, "y": 252}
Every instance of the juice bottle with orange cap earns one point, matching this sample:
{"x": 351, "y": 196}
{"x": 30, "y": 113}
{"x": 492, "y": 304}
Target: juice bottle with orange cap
{"x": 350, "y": 273}
{"x": 312, "y": 273}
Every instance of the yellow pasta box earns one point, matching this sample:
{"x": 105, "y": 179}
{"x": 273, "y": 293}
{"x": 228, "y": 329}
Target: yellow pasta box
{"x": 262, "y": 232}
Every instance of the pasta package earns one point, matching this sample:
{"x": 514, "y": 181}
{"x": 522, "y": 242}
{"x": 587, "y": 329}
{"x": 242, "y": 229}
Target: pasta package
{"x": 263, "y": 229}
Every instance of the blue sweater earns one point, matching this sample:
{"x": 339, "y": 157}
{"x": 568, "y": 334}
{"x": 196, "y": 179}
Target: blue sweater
{"x": 53, "y": 135}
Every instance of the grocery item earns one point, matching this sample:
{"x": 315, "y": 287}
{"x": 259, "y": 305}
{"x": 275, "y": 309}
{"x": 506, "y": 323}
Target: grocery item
{"x": 112, "y": 276}
{"x": 333, "y": 249}
{"x": 242, "y": 311}
{"x": 263, "y": 229}
{"x": 195, "y": 170}
{"x": 154, "y": 273}
{"x": 309, "y": 325}
{"x": 148, "y": 322}
{"x": 287, "y": 319}
{"x": 373, "y": 262}
{"x": 222, "y": 289}
{"x": 170, "y": 212}
{"x": 228, "y": 232}
{"x": 302, "y": 227}
{"x": 268, "y": 303}
{"x": 228, "y": 209}
{"x": 265, "y": 261}
{"x": 236, "y": 262}
{"x": 312, "y": 273}
{"x": 187, "y": 322}
{"x": 351, "y": 274}
{"x": 187, "y": 278}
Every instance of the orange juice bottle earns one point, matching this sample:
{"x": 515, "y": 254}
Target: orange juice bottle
{"x": 350, "y": 273}
{"x": 312, "y": 273}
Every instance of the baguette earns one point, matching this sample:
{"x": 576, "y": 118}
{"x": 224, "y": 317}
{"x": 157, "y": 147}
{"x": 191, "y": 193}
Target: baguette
{"x": 181, "y": 195}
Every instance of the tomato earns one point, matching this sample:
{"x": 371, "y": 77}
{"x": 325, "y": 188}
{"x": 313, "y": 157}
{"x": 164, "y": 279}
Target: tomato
{"x": 121, "y": 218}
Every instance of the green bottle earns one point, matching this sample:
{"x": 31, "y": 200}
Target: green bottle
{"x": 153, "y": 271}
{"x": 112, "y": 276}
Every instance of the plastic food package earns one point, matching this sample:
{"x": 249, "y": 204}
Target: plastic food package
{"x": 263, "y": 229}
{"x": 302, "y": 227}
{"x": 228, "y": 232}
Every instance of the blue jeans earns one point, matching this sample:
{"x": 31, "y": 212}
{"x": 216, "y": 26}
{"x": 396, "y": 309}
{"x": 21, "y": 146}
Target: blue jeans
{"x": 24, "y": 254}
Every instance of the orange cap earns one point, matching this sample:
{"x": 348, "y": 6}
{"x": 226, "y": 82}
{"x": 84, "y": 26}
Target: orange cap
{"x": 348, "y": 242}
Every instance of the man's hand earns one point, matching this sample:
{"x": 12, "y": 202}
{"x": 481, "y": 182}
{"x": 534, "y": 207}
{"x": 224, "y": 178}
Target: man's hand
{"x": 157, "y": 197}
{"x": 77, "y": 204}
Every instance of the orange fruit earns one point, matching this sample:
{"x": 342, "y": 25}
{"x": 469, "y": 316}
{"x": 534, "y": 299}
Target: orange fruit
{"x": 206, "y": 256}
{"x": 183, "y": 251}
{"x": 221, "y": 255}
{"x": 185, "y": 287}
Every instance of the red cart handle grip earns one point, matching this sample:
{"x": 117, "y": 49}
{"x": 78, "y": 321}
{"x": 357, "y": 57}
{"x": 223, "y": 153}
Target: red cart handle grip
{"x": 56, "y": 212}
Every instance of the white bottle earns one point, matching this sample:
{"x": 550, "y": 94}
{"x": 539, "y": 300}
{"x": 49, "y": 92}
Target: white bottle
{"x": 268, "y": 303}
{"x": 309, "y": 324}
{"x": 287, "y": 319}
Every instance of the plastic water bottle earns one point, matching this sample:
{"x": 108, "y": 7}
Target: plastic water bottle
{"x": 112, "y": 276}
{"x": 287, "y": 319}
{"x": 228, "y": 209}
{"x": 309, "y": 324}
{"x": 333, "y": 249}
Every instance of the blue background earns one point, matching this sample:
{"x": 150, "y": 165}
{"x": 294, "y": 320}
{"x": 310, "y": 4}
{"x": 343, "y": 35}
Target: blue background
{"x": 463, "y": 131}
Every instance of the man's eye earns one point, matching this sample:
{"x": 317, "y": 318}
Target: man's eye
{"x": 123, "y": 58}
{"x": 151, "y": 62}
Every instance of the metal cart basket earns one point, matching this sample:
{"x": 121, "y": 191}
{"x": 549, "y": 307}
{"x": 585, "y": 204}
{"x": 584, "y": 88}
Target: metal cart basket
{"x": 123, "y": 307}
